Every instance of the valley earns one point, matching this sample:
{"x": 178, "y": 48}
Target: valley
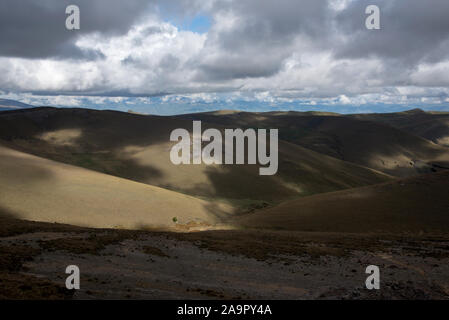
{"x": 97, "y": 189}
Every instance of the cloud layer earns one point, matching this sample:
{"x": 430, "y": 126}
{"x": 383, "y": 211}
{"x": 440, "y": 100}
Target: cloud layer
{"x": 278, "y": 51}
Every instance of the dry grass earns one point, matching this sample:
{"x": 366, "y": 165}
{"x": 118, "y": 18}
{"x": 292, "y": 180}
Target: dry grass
{"x": 409, "y": 206}
{"x": 19, "y": 286}
{"x": 137, "y": 148}
{"x": 12, "y": 227}
{"x": 268, "y": 246}
{"x": 153, "y": 251}
{"x": 92, "y": 244}
{"x": 274, "y": 245}
{"x": 354, "y": 139}
{"x": 12, "y": 257}
{"x": 24, "y": 287}
{"x": 37, "y": 189}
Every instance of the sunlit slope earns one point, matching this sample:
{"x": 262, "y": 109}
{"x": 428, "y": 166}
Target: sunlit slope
{"x": 38, "y": 189}
{"x": 301, "y": 172}
{"x": 418, "y": 204}
{"x": 372, "y": 144}
{"x": 137, "y": 147}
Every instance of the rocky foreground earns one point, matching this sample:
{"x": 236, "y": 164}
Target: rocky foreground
{"x": 247, "y": 264}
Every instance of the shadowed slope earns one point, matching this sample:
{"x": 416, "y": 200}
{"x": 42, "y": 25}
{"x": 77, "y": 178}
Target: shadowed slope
{"x": 418, "y": 204}
{"x": 433, "y": 126}
{"x": 137, "y": 147}
{"x": 370, "y": 144}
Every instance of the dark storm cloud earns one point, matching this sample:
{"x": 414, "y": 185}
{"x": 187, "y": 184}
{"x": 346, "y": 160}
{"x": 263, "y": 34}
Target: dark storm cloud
{"x": 267, "y": 22}
{"x": 263, "y": 36}
{"x": 167, "y": 63}
{"x": 36, "y": 29}
{"x": 412, "y": 31}
{"x": 229, "y": 68}
{"x": 291, "y": 48}
{"x": 110, "y": 94}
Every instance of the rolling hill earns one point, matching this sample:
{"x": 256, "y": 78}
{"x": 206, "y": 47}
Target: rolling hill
{"x": 136, "y": 147}
{"x": 433, "y": 126}
{"x": 33, "y": 188}
{"x": 367, "y": 143}
{"x": 112, "y": 169}
{"x": 413, "y": 205}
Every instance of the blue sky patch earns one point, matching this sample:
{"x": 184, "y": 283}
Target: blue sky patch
{"x": 199, "y": 24}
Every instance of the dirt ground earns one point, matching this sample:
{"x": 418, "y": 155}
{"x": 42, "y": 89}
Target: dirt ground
{"x": 246, "y": 264}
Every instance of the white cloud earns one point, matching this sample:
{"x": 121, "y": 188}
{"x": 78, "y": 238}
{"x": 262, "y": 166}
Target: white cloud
{"x": 156, "y": 57}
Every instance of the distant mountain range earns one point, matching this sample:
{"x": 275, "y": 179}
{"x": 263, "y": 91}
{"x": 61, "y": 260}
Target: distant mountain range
{"x": 6, "y": 104}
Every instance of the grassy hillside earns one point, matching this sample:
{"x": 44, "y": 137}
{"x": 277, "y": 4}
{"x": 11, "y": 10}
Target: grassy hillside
{"x": 367, "y": 143}
{"x": 412, "y": 205}
{"x": 433, "y": 126}
{"x": 38, "y": 189}
{"x": 137, "y": 147}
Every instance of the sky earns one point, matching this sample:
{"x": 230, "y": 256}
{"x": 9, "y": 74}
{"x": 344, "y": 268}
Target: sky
{"x": 171, "y": 57}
